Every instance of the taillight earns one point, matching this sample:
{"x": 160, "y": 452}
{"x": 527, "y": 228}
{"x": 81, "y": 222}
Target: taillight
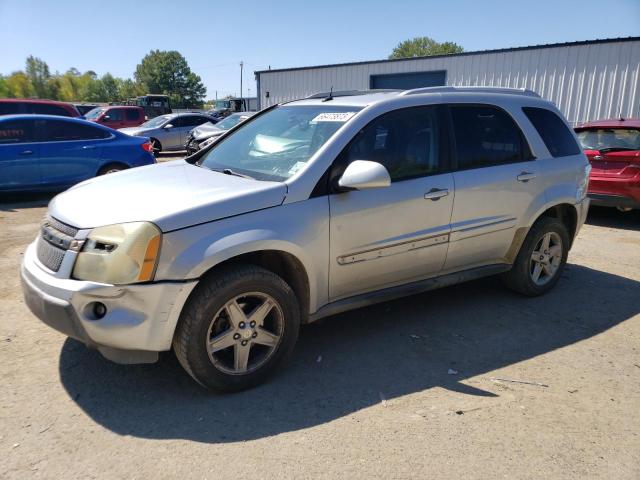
{"x": 147, "y": 147}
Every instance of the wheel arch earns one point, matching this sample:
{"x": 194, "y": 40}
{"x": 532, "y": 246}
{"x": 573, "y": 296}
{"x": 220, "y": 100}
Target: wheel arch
{"x": 111, "y": 164}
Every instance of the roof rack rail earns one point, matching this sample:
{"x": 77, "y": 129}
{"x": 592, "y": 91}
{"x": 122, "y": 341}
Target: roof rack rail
{"x": 511, "y": 91}
{"x": 349, "y": 93}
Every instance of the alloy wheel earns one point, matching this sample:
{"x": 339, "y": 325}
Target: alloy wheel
{"x": 245, "y": 333}
{"x": 546, "y": 258}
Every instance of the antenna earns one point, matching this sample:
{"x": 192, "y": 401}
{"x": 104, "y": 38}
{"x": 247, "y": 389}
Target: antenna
{"x": 330, "y": 97}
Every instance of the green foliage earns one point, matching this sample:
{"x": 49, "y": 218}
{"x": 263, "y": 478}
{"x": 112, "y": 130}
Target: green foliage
{"x": 424, "y": 46}
{"x": 159, "y": 72}
{"x": 168, "y": 73}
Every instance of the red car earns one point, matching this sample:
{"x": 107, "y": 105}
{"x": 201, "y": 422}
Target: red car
{"x": 117, "y": 116}
{"x": 613, "y": 148}
{"x": 12, "y": 106}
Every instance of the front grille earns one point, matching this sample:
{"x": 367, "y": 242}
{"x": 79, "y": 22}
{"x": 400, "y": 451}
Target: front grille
{"x": 53, "y": 242}
{"x": 50, "y": 256}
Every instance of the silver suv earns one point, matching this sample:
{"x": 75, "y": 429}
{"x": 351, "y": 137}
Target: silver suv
{"x": 308, "y": 209}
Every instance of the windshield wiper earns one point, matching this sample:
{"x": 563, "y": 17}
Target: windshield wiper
{"x": 616, "y": 149}
{"x": 228, "y": 171}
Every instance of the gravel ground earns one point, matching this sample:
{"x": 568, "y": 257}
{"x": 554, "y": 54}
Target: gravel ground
{"x": 416, "y": 388}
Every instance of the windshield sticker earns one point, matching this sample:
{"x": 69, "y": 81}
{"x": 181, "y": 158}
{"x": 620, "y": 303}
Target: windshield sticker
{"x": 333, "y": 117}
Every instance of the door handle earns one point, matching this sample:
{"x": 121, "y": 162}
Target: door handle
{"x": 526, "y": 176}
{"x": 436, "y": 194}
{"x": 88, "y": 147}
{"x": 26, "y": 152}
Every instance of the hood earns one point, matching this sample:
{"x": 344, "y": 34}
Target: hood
{"x": 172, "y": 195}
{"x": 206, "y": 130}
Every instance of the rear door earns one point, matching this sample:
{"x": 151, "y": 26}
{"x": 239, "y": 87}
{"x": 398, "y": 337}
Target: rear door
{"x": 189, "y": 123}
{"x": 133, "y": 117}
{"x": 19, "y": 162}
{"x": 496, "y": 180}
{"x": 69, "y": 151}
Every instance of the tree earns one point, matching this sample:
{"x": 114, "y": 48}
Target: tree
{"x": 168, "y": 73}
{"x": 422, "y": 47}
{"x": 4, "y": 88}
{"x": 19, "y": 85}
{"x": 38, "y": 73}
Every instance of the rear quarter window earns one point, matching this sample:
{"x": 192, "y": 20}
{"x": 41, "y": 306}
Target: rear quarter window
{"x": 554, "y": 132}
{"x": 132, "y": 114}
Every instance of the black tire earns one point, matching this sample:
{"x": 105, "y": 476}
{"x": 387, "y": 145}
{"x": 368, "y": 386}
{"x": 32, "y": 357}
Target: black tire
{"x": 520, "y": 277}
{"x": 202, "y": 312}
{"x": 112, "y": 168}
{"x": 157, "y": 146}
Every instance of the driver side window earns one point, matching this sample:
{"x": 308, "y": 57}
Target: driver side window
{"x": 405, "y": 141}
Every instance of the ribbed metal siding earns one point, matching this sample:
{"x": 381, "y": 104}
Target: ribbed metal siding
{"x": 587, "y": 82}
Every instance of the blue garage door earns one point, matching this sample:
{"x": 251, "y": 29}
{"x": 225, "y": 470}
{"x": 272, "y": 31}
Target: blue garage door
{"x": 405, "y": 81}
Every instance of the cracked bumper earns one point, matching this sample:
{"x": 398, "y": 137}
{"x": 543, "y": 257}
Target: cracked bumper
{"x": 140, "y": 319}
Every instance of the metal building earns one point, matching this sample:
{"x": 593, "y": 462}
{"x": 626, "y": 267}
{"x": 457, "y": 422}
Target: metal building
{"x": 587, "y": 80}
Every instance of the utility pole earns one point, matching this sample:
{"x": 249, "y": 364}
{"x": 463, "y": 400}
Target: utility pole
{"x": 241, "y": 65}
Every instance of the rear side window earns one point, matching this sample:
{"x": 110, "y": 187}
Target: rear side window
{"x": 115, "y": 115}
{"x": 7, "y": 108}
{"x": 54, "y": 131}
{"x": 132, "y": 114}
{"x": 486, "y": 136}
{"x": 194, "y": 121}
{"x": 554, "y": 132}
{"x": 16, "y": 131}
{"x": 46, "y": 109}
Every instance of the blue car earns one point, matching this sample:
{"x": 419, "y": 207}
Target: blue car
{"x": 49, "y": 153}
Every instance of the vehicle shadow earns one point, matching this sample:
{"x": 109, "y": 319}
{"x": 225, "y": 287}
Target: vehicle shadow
{"x": 613, "y": 218}
{"x": 345, "y": 363}
{"x": 11, "y": 202}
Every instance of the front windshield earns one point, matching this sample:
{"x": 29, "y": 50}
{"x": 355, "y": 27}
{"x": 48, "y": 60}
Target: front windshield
{"x": 231, "y": 121}
{"x": 278, "y": 143}
{"x": 94, "y": 113}
{"x": 155, "y": 122}
{"x": 602, "y": 138}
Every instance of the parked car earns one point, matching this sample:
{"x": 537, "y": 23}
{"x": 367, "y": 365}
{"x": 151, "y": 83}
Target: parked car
{"x": 84, "y": 108}
{"x": 169, "y": 132}
{"x": 207, "y": 133}
{"x": 613, "y": 148}
{"x": 117, "y": 116}
{"x": 305, "y": 210}
{"x": 45, "y": 152}
{"x": 13, "y": 106}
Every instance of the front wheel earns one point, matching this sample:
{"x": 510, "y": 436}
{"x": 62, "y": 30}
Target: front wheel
{"x": 541, "y": 259}
{"x": 238, "y": 326}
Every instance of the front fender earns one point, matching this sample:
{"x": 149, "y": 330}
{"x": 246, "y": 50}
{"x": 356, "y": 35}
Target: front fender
{"x": 300, "y": 229}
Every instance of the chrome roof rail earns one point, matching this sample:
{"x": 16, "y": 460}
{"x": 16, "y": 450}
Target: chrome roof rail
{"x": 509, "y": 91}
{"x": 349, "y": 93}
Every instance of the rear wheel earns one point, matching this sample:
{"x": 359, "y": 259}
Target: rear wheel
{"x": 112, "y": 168}
{"x": 237, "y": 328}
{"x": 541, "y": 259}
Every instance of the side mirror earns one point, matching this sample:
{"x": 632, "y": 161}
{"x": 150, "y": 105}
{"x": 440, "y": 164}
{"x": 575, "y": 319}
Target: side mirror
{"x": 363, "y": 175}
{"x": 106, "y": 118}
{"x": 168, "y": 126}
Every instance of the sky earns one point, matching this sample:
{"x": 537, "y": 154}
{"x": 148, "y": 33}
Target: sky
{"x": 214, "y": 36}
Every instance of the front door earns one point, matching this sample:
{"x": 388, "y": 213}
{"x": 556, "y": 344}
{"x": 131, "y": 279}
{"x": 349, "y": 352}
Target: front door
{"x": 394, "y": 235}
{"x": 19, "y": 155}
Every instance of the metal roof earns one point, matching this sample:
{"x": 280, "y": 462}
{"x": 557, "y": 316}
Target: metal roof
{"x": 477, "y": 52}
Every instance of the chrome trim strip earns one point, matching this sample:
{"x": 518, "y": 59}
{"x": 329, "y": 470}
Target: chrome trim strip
{"x": 394, "y": 249}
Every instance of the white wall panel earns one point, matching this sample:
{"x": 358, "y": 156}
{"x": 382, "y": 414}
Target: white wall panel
{"x": 587, "y": 81}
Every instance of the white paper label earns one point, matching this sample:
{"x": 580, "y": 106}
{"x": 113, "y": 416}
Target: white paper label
{"x": 333, "y": 117}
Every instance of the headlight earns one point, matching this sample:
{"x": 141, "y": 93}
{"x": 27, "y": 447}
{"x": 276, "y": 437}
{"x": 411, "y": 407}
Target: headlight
{"x": 119, "y": 254}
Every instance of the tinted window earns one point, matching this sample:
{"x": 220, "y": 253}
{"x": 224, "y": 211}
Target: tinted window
{"x": 46, "y": 109}
{"x": 115, "y": 115}
{"x": 16, "y": 131}
{"x": 194, "y": 121}
{"x": 486, "y": 136}
{"x": 554, "y": 132}
{"x": 7, "y": 108}
{"x": 132, "y": 114}
{"x": 405, "y": 141}
{"x": 53, "y": 131}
